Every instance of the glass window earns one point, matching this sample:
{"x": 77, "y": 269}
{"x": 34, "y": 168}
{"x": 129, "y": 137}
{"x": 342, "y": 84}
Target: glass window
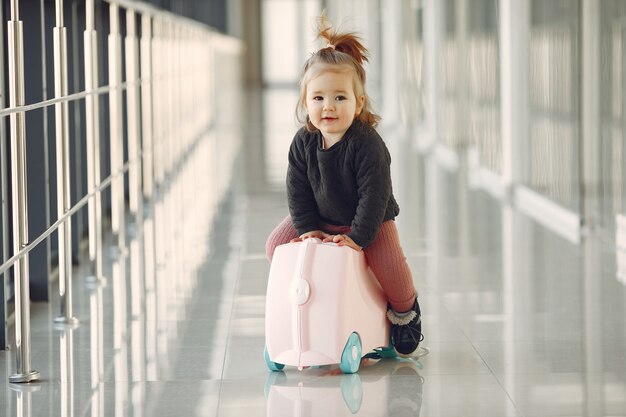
{"x": 280, "y": 41}
{"x": 484, "y": 83}
{"x": 450, "y": 71}
{"x": 412, "y": 94}
{"x": 554, "y": 142}
{"x": 288, "y": 38}
{"x": 612, "y": 96}
{"x": 469, "y": 110}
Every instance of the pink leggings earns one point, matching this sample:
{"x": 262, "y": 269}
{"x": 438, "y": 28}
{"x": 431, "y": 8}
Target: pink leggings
{"x": 384, "y": 256}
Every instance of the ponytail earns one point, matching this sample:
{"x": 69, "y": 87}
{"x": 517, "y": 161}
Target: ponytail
{"x": 349, "y": 43}
{"x": 343, "y": 50}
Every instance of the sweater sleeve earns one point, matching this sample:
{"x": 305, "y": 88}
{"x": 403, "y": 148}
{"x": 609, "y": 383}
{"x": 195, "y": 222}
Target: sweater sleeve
{"x": 372, "y": 168}
{"x": 300, "y": 197}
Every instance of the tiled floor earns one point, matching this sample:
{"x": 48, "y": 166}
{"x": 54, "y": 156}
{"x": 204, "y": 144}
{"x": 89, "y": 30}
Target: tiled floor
{"x": 519, "y": 321}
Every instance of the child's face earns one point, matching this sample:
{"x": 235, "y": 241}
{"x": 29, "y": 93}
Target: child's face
{"x": 332, "y": 104}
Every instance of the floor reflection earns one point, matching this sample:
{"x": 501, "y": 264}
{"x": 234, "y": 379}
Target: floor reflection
{"x": 327, "y": 392}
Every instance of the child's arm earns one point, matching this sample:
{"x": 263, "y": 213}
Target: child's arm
{"x": 300, "y": 197}
{"x": 373, "y": 177}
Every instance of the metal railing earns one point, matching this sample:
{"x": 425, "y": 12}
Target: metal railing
{"x": 18, "y": 192}
{"x": 163, "y": 119}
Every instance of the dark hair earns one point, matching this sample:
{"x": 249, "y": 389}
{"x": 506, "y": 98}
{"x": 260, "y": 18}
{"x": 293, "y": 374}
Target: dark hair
{"x": 343, "y": 52}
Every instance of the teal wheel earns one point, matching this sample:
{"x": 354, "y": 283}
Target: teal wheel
{"x": 273, "y": 366}
{"x": 351, "y": 356}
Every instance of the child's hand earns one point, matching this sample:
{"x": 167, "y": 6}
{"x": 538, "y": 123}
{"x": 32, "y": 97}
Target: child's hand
{"x": 313, "y": 233}
{"x": 343, "y": 240}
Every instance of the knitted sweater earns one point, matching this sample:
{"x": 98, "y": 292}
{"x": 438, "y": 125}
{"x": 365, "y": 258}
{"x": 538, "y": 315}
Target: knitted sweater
{"x": 348, "y": 184}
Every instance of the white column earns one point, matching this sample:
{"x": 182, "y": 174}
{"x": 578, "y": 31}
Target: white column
{"x": 590, "y": 109}
{"x": 514, "y": 87}
{"x": 590, "y": 204}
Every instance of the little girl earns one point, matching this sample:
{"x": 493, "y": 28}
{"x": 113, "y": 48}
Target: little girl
{"x": 338, "y": 179}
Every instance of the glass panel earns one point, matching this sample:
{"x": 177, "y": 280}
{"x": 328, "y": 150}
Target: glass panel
{"x": 555, "y": 101}
{"x": 365, "y": 17}
{"x": 612, "y": 96}
{"x": 288, "y": 38}
{"x": 450, "y": 63}
{"x": 484, "y": 83}
{"x": 412, "y": 96}
{"x": 280, "y": 42}
{"x": 279, "y": 128}
{"x": 469, "y": 110}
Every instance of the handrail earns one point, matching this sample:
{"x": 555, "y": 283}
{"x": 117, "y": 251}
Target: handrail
{"x": 63, "y": 99}
{"x": 157, "y": 145}
{"x": 8, "y": 264}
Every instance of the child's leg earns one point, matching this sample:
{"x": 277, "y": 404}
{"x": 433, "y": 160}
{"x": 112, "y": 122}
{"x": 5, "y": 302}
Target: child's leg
{"x": 386, "y": 259}
{"x": 283, "y": 233}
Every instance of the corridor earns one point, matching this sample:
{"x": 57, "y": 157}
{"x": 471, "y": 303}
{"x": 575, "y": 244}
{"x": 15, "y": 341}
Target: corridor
{"x": 518, "y": 320}
{"x": 143, "y": 155}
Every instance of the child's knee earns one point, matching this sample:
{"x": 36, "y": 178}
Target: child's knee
{"x": 270, "y": 247}
{"x": 283, "y": 233}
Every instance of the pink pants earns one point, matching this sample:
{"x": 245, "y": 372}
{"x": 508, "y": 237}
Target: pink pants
{"x": 384, "y": 256}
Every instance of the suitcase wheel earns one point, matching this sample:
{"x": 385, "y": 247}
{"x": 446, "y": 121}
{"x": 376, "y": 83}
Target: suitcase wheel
{"x": 273, "y": 366}
{"x": 351, "y": 356}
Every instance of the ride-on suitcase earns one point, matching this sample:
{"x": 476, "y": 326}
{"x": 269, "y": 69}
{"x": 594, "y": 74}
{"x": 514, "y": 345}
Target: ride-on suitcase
{"x": 324, "y": 306}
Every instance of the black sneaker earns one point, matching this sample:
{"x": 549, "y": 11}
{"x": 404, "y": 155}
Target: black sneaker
{"x": 406, "y": 329}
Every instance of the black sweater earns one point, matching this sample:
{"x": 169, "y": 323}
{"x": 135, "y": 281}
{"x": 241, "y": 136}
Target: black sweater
{"x": 348, "y": 184}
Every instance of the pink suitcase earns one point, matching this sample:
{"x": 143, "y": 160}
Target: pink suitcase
{"x": 323, "y": 306}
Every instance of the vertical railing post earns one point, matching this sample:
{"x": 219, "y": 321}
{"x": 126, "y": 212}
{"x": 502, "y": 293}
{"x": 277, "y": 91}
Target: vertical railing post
{"x": 158, "y": 77}
{"x": 146, "y": 104}
{"x": 115, "y": 123}
{"x": 158, "y": 132}
{"x": 169, "y": 148}
{"x": 63, "y": 168}
{"x": 93, "y": 142}
{"x": 19, "y": 200}
{"x": 148, "y": 232}
{"x": 90, "y": 82}
{"x": 4, "y": 209}
{"x": 133, "y": 121}
{"x": 134, "y": 176}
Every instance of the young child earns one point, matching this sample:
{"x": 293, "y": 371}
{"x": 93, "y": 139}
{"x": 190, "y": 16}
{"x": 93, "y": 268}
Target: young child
{"x": 338, "y": 179}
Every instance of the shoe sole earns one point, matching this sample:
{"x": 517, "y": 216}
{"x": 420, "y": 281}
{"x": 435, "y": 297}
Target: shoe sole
{"x": 416, "y": 354}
